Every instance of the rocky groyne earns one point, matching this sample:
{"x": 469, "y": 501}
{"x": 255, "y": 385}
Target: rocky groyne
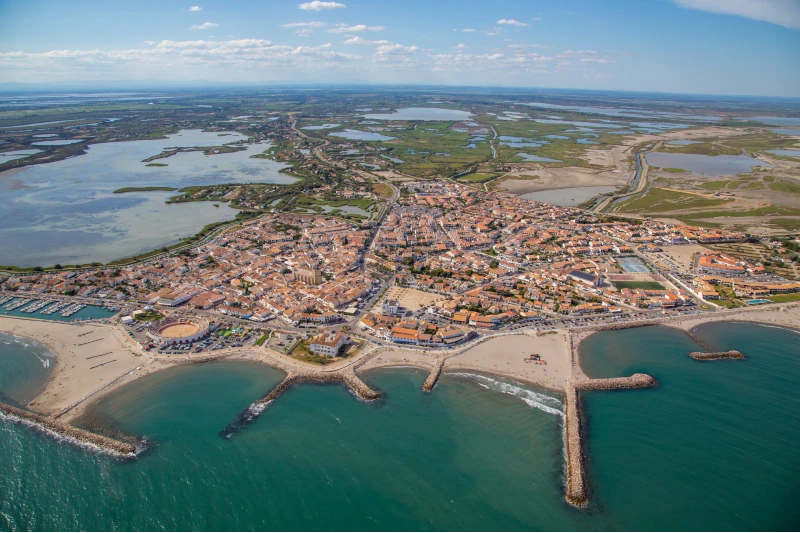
{"x": 636, "y": 381}
{"x": 715, "y": 356}
{"x": 577, "y": 493}
{"x": 433, "y": 377}
{"x": 78, "y": 436}
{"x": 349, "y": 378}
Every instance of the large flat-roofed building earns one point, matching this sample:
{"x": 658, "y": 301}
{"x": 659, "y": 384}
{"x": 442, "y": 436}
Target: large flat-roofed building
{"x": 328, "y": 343}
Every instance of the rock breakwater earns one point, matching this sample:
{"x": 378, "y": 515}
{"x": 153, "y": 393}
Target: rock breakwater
{"x": 577, "y": 493}
{"x": 349, "y": 378}
{"x": 433, "y": 377}
{"x": 715, "y": 356}
{"x": 60, "y": 430}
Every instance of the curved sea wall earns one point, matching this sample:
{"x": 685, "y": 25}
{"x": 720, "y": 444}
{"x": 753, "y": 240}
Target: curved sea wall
{"x": 67, "y": 432}
{"x": 715, "y": 356}
{"x": 577, "y": 493}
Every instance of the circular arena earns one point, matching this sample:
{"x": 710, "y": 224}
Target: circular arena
{"x": 178, "y": 330}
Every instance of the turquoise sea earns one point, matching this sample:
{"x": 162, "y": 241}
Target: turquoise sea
{"x": 712, "y": 447}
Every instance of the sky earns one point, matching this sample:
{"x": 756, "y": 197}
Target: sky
{"x": 740, "y": 47}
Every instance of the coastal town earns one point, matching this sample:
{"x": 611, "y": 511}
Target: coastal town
{"x": 468, "y": 262}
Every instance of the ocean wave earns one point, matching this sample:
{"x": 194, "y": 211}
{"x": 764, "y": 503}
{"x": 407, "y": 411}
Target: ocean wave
{"x": 256, "y": 408}
{"x": 780, "y": 327}
{"x": 545, "y": 403}
{"x": 65, "y": 438}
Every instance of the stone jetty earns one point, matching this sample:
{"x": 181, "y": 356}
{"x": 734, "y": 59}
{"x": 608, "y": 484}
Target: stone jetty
{"x": 348, "y": 377}
{"x": 433, "y": 377}
{"x": 577, "y": 493}
{"x": 715, "y": 356}
{"x": 64, "y": 431}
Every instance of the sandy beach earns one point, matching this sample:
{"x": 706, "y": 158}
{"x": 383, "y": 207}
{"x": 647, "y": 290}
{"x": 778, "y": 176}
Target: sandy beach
{"x": 89, "y": 359}
{"x": 505, "y": 355}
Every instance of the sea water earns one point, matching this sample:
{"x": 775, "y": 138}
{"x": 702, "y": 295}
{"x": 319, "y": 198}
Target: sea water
{"x": 711, "y": 447}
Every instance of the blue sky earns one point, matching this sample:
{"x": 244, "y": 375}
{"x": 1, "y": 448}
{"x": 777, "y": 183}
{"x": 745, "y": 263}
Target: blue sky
{"x": 692, "y": 46}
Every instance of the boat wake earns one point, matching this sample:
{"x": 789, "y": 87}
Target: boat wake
{"x": 536, "y": 400}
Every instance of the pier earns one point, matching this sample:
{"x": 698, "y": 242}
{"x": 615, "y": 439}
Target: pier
{"x": 577, "y": 493}
{"x": 64, "y": 431}
{"x": 433, "y": 377}
{"x": 716, "y": 356}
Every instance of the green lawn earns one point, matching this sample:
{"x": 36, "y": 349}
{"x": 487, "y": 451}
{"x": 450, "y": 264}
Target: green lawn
{"x": 782, "y": 298}
{"x": 645, "y": 285}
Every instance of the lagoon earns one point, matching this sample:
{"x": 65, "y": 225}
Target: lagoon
{"x": 358, "y": 135}
{"x": 60, "y": 142}
{"x": 787, "y": 153}
{"x": 540, "y": 159}
{"x": 5, "y": 157}
{"x": 66, "y": 212}
{"x": 712, "y": 166}
{"x": 422, "y": 113}
{"x": 322, "y": 127}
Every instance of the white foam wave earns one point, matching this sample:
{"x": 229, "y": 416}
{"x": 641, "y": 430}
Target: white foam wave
{"x": 256, "y": 408}
{"x": 781, "y": 327}
{"x": 536, "y": 400}
{"x": 64, "y": 438}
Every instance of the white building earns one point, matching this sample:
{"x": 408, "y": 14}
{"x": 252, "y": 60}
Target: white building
{"x": 328, "y": 343}
{"x": 390, "y": 307}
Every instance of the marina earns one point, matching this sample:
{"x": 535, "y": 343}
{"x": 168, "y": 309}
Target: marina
{"x": 48, "y": 309}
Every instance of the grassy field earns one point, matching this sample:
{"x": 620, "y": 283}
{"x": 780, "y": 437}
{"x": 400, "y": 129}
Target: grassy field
{"x": 664, "y": 201}
{"x": 783, "y": 298}
{"x": 645, "y": 285}
{"x": 477, "y": 177}
{"x": 382, "y": 190}
{"x": 715, "y": 185}
{"x": 784, "y": 186}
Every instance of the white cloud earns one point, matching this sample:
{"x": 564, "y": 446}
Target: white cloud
{"x": 243, "y": 59}
{"x": 360, "y": 40}
{"x": 195, "y": 8}
{"x": 781, "y": 12}
{"x": 599, "y": 60}
{"x": 316, "y": 5}
{"x": 494, "y": 31}
{"x": 304, "y": 25}
{"x": 512, "y": 22}
{"x": 341, "y": 28}
{"x": 469, "y": 30}
{"x": 461, "y": 46}
{"x": 204, "y": 26}
{"x": 304, "y": 32}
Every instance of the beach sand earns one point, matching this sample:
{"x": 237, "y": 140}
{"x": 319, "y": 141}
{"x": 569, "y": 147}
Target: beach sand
{"x": 76, "y": 348}
{"x": 505, "y": 355}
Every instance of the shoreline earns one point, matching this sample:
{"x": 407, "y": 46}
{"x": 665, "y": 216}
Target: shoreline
{"x": 67, "y": 396}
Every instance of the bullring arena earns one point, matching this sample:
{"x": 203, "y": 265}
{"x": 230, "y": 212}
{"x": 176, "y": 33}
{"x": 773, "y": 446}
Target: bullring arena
{"x": 178, "y": 330}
